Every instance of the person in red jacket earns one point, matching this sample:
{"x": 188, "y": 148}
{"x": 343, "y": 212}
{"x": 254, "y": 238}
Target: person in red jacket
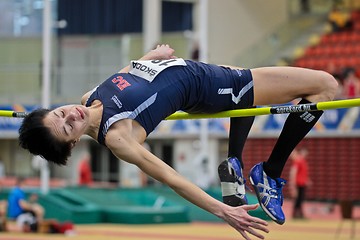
{"x": 299, "y": 180}
{"x": 85, "y": 175}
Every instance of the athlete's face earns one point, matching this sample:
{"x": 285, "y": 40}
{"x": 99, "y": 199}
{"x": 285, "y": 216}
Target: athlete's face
{"x": 68, "y": 123}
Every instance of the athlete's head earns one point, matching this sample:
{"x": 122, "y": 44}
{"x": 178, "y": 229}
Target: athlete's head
{"x": 53, "y": 133}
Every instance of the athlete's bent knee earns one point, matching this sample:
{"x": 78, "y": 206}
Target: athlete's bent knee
{"x": 329, "y": 85}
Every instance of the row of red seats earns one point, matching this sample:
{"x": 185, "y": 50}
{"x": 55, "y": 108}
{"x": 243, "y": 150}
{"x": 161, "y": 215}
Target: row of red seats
{"x": 324, "y": 63}
{"x": 339, "y": 49}
{"x": 343, "y": 37}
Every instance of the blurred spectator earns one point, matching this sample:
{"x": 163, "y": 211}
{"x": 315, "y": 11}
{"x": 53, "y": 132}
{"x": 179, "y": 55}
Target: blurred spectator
{"x": 351, "y": 84}
{"x": 85, "y": 174}
{"x": 299, "y": 180}
{"x": 22, "y": 210}
{"x": 339, "y": 19}
{"x": 3, "y": 213}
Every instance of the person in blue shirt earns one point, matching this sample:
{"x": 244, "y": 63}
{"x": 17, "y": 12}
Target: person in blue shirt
{"x": 123, "y": 110}
{"x": 18, "y": 203}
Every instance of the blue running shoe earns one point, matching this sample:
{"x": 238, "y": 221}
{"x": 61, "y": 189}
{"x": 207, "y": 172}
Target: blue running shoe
{"x": 268, "y": 192}
{"x": 232, "y": 182}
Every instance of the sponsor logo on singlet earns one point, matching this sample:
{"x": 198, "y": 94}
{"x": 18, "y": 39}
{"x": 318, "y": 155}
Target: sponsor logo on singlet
{"x": 121, "y": 82}
{"x": 116, "y": 101}
{"x": 143, "y": 68}
{"x": 149, "y": 69}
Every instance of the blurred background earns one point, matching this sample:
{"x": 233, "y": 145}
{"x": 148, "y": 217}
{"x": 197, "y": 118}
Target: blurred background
{"x": 89, "y": 40}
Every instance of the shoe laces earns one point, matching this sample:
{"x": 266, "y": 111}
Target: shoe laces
{"x": 274, "y": 189}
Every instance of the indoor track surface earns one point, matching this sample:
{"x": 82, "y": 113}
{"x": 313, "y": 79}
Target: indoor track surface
{"x": 292, "y": 230}
{"x": 322, "y": 224}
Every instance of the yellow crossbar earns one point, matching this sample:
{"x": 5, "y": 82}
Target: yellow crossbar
{"x": 270, "y": 110}
{"x": 348, "y": 103}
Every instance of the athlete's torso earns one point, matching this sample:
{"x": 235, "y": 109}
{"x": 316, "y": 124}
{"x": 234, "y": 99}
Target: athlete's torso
{"x": 192, "y": 88}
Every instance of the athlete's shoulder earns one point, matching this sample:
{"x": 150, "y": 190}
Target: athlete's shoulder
{"x": 85, "y": 97}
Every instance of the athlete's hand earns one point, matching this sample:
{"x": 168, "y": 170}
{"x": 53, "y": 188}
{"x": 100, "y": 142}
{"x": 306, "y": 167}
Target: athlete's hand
{"x": 238, "y": 218}
{"x": 162, "y": 52}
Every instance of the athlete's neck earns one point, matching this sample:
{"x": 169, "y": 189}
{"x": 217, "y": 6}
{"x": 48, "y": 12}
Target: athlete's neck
{"x": 96, "y": 110}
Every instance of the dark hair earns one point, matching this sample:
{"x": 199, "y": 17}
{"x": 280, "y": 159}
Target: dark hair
{"x": 20, "y": 180}
{"x": 37, "y": 138}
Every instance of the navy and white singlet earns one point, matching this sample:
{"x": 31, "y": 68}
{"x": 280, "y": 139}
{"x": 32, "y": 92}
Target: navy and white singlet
{"x": 194, "y": 88}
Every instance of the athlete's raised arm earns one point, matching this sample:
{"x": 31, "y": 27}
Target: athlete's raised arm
{"x": 123, "y": 139}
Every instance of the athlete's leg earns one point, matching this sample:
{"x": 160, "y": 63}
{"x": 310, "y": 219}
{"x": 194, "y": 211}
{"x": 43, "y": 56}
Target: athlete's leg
{"x": 239, "y": 131}
{"x": 275, "y": 85}
{"x": 231, "y": 170}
